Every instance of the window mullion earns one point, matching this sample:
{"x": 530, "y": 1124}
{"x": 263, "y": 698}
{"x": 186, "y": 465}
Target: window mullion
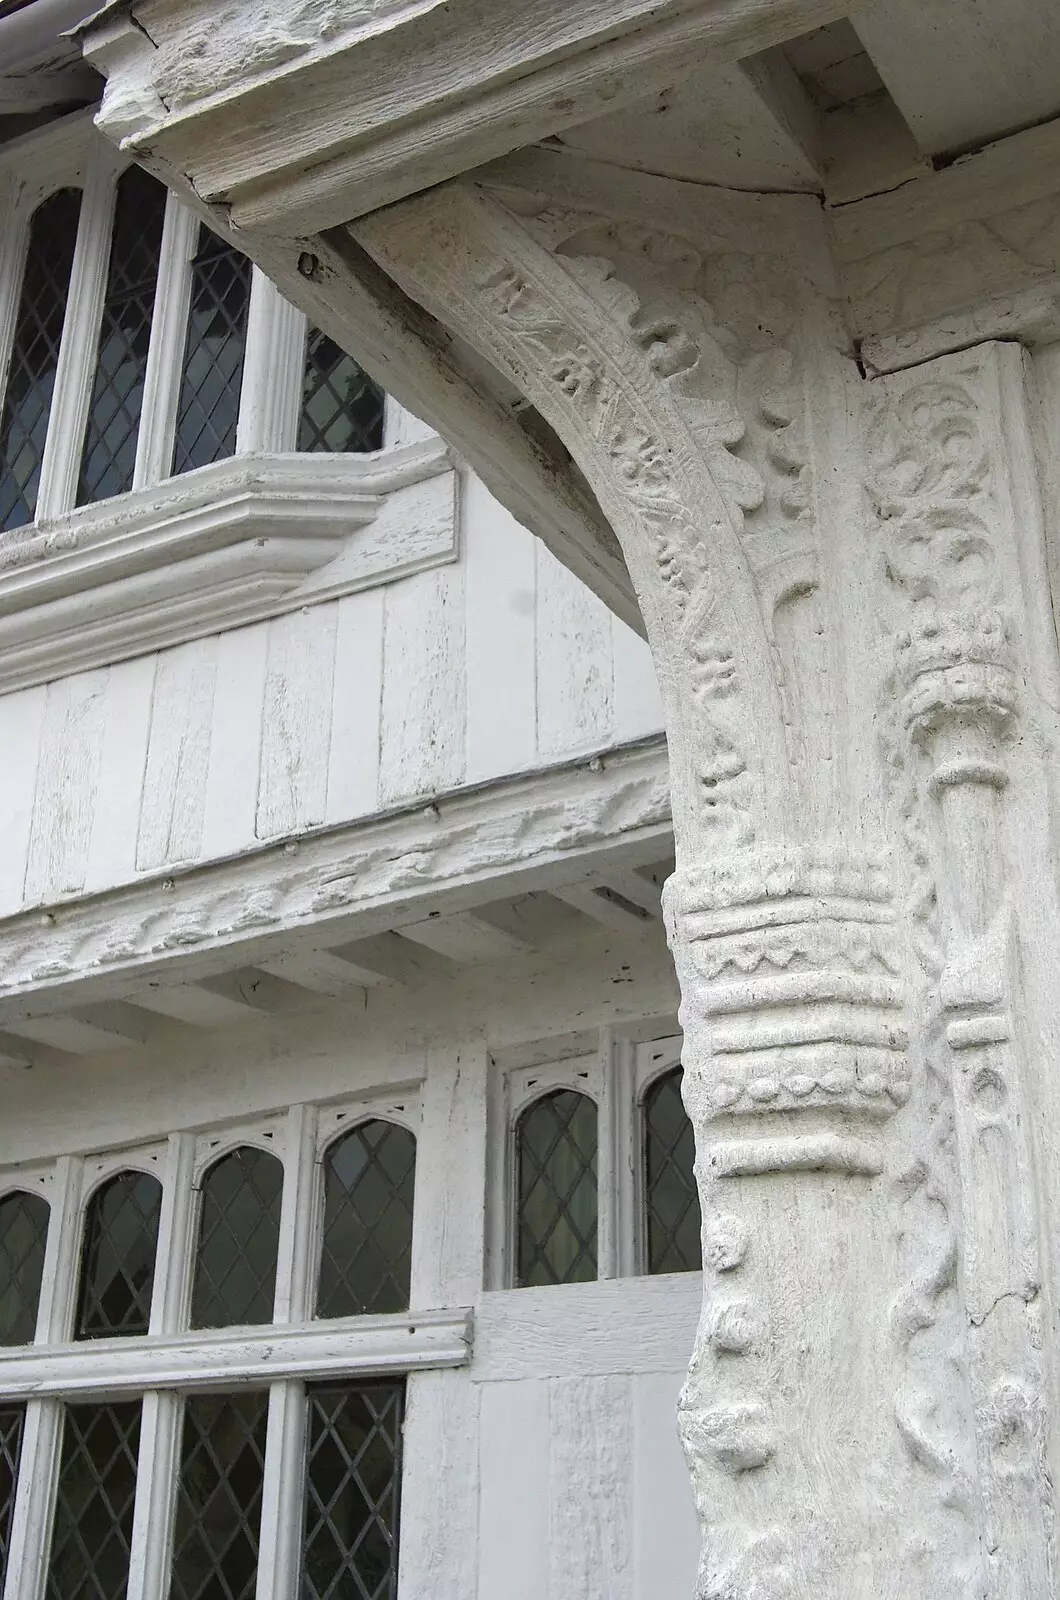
{"x": 77, "y": 356}
{"x": 14, "y": 243}
{"x": 156, "y": 1477}
{"x": 154, "y": 445}
{"x": 270, "y": 397}
{"x": 613, "y": 1156}
{"x": 42, "y": 1432}
{"x": 280, "y": 1539}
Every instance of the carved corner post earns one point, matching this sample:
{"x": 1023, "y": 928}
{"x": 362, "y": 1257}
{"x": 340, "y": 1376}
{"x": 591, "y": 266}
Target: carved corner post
{"x": 863, "y": 1416}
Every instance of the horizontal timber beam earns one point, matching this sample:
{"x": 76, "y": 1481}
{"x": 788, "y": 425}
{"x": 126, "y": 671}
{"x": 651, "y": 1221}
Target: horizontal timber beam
{"x": 332, "y": 886}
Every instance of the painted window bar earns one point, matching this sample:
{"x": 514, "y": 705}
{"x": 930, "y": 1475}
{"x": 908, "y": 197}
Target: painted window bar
{"x": 289, "y": 385}
{"x": 300, "y": 1366}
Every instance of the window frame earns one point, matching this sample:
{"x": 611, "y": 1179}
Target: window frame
{"x": 171, "y": 1360}
{"x": 616, "y": 1076}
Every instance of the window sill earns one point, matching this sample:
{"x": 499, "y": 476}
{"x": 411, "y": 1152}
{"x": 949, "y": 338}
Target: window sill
{"x": 227, "y": 1357}
{"x": 235, "y": 542}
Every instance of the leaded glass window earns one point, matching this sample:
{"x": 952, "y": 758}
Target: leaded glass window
{"x": 109, "y": 453}
{"x": 92, "y": 1527}
{"x": 342, "y": 408}
{"x": 366, "y": 1255}
{"x": 555, "y": 1145}
{"x": 11, "y": 1420}
{"x": 215, "y": 1539}
{"x": 118, "y": 1258}
{"x": 35, "y": 354}
{"x": 23, "y": 1237}
{"x": 239, "y": 1232}
{"x": 353, "y": 1479}
{"x": 214, "y": 350}
{"x": 670, "y": 1196}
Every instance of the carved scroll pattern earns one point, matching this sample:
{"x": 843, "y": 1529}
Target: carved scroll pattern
{"x": 675, "y": 379}
{"x": 954, "y": 708}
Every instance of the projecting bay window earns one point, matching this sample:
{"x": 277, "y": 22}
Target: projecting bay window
{"x": 593, "y": 1174}
{"x": 202, "y": 1390}
{"x": 136, "y": 345}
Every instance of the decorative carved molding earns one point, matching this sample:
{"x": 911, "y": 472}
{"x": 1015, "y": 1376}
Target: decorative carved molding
{"x": 554, "y": 827}
{"x": 244, "y": 539}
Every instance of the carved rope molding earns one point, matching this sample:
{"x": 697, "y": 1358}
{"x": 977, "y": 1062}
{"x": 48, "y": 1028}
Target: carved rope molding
{"x": 695, "y": 374}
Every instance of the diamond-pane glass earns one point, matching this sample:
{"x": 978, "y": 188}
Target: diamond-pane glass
{"x": 342, "y": 409}
{"x": 215, "y": 1539}
{"x": 670, "y": 1195}
{"x": 353, "y": 1483}
{"x": 11, "y": 1419}
{"x": 92, "y": 1528}
{"x": 216, "y": 344}
{"x": 239, "y": 1231}
{"x": 118, "y": 1260}
{"x": 35, "y": 354}
{"x": 557, "y": 1201}
{"x": 109, "y": 453}
{"x": 23, "y": 1236}
{"x": 366, "y": 1256}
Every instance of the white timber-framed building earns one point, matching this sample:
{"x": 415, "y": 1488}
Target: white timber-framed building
{"x": 529, "y": 715}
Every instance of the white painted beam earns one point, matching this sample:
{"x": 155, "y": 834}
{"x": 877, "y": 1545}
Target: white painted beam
{"x": 84, "y": 1030}
{"x": 230, "y": 997}
{"x": 607, "y": 905}
{"x": 465, "y": 936}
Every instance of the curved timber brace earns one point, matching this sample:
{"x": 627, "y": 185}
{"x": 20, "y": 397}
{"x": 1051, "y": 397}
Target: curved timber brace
{"x": 841, "y": 584}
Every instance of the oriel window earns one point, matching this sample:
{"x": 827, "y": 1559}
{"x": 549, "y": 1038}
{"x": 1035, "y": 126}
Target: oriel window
{"x": 556, "y": 1208}
{"x": 239, "y": 1232}
{"x": 118, "y": 1257}
{"x": 214, "y": 352}
{"x": 366, "y": 1253}
{"x": 671, "y": 1201}
{"x": 23, "y": 1238}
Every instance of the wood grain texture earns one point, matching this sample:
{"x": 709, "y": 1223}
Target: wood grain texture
{"x": 72, "y": 735}
{"x": 296, "y": 722}
{"x": 423, "y": 686}
{"x": 574, "y": 667}
{"x": 178, "y": 755}
{"x": 638, "y": 1325}
{"x": 353, "y": 758}
{"x": 448, "y": 1237}
{"x": 438, "y": 1554}
{"x": 501, "y": 588}
{"x": 231, "y": 799}
{"x": 21, "y": 722}
{"x": 113, "y": 844}
{"x": 590, "y": 1555}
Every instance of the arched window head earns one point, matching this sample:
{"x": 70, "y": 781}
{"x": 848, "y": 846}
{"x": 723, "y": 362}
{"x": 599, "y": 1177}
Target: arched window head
{"x": 118, "y": 1256}
{"x": 239, "y": 1233}
{"x": 23, "y": 1236}
{"x": 27, "y": 400}
{"x": 555, "y": 1152}
{"x": 670, "y": 1197}
{"x": 342, "y": 409}
{"x": 109, "y": 453}
{"x": 366, "y": 1255}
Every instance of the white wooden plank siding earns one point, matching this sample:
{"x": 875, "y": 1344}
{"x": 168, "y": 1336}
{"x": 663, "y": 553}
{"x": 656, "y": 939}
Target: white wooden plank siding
{"x": 68, "y": 766}
{"x": 574, "y": 663}
{"x": 230, "y": 807}
{"x": 423, "y": 686}
{"x": 513, "y": 1520}
{"x": 496, "y": 664}
{"x": 296, "y": 724}
{"x": 353, "y": 758}
{"x": 21, "y": 723}
{"x": 590, "y": 1464}
{"x": 178, "y": 755}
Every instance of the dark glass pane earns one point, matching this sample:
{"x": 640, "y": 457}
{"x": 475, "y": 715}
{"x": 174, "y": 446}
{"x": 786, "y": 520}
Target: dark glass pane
{"x": 556, "y": 1159}
{"x": 118, "y": 1260}
{"x": 117, "y": 394}
{"x": 342, "y": 409}
{"x": 235, "y": 1271}
{"x": 353, "y": 1482}
{"x": 92, "y": 1529}
{"x": 671, "y": 1199}
{"x": 35, "y": 354}
{"x": 23, "y": 1236}
{"x": 11, "y": 1418}
{"x": 208, "y": 408}
{"x": 367, "y": 1250}
{"x": 215, "y": 1540}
